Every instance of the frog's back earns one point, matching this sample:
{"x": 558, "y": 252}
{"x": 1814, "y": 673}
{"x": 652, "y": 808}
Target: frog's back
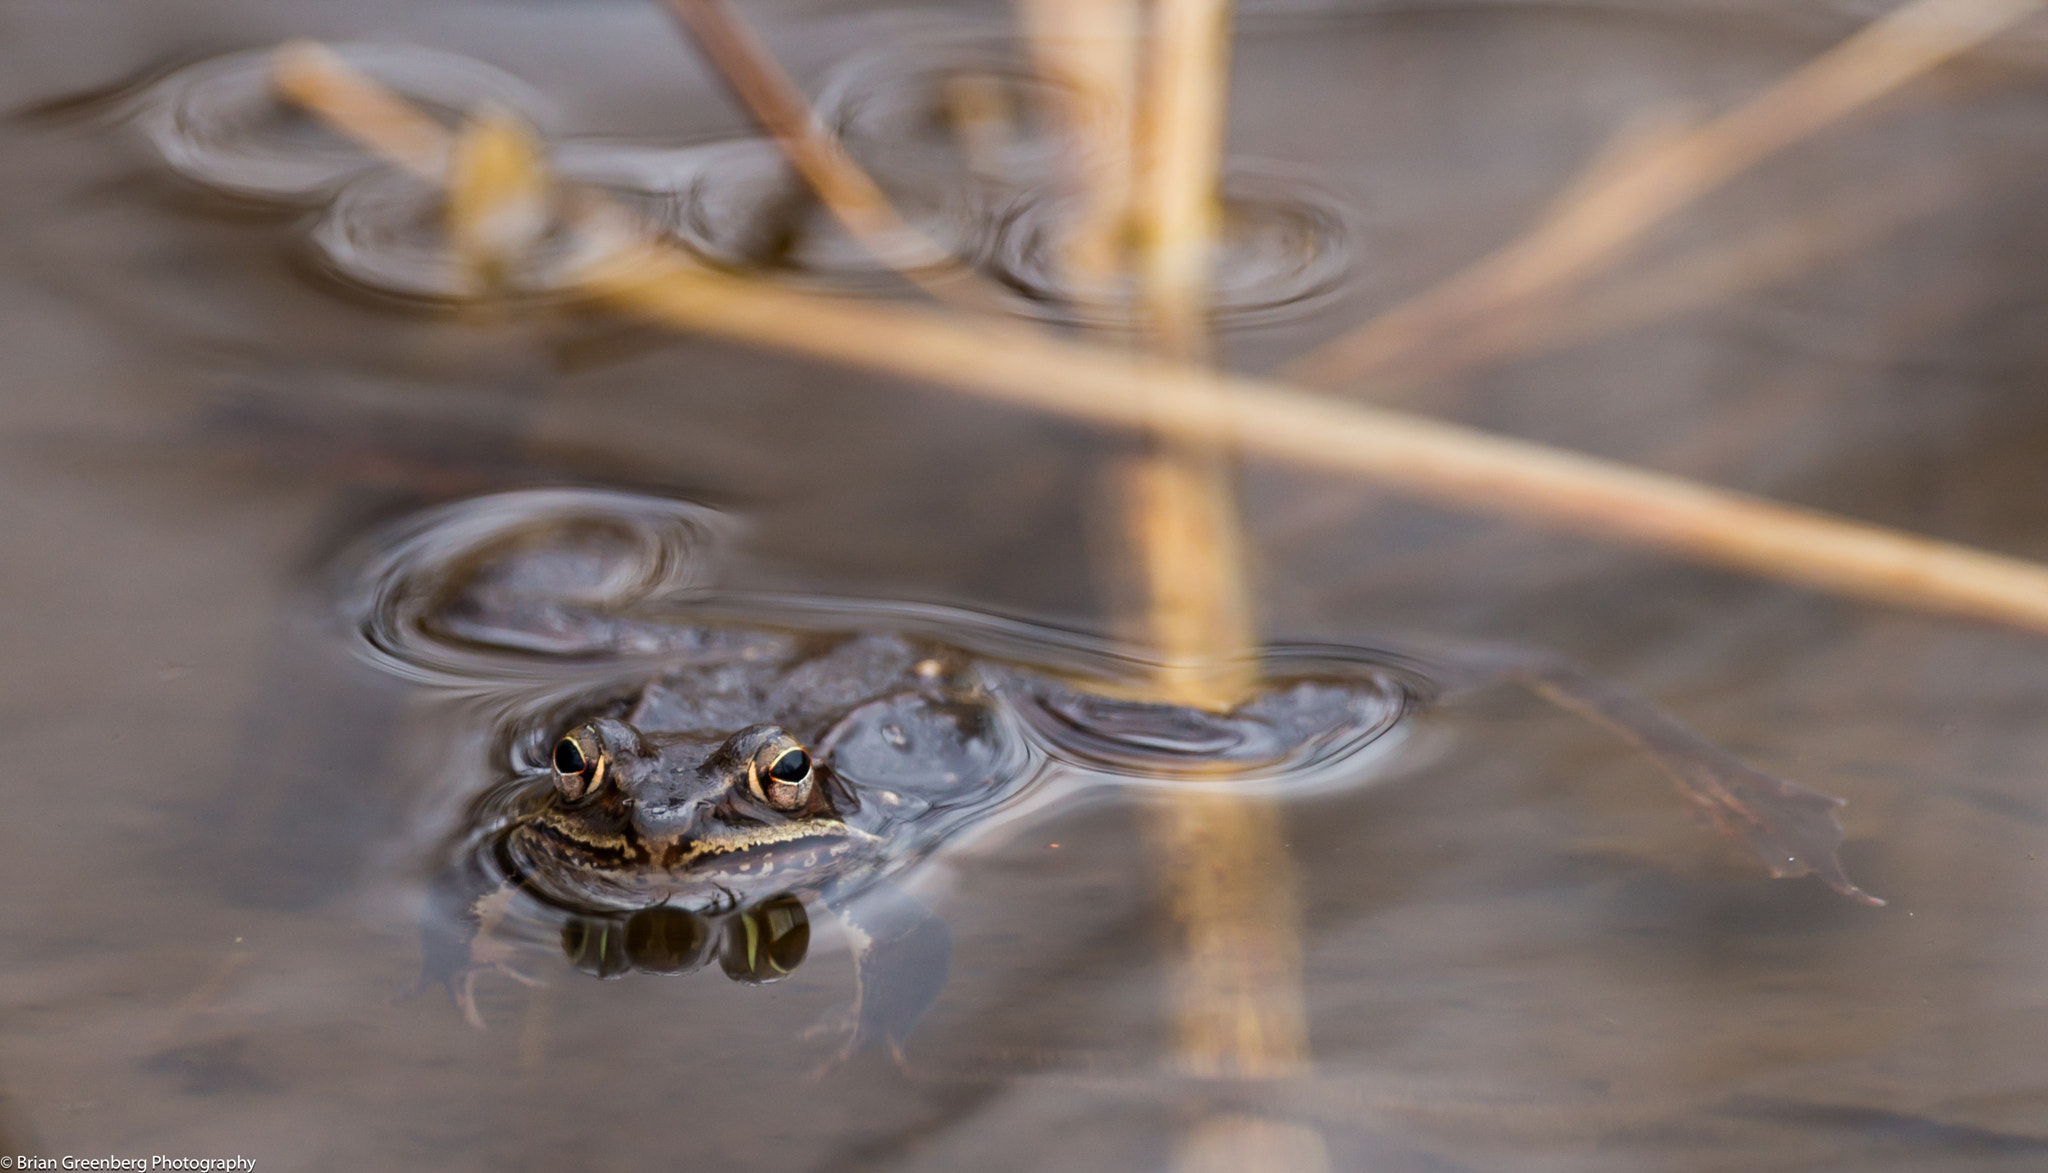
{"x": 803, "y": 684}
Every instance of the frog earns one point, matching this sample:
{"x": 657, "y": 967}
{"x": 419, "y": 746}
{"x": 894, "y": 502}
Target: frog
{"x": 735, "y": 762}
{"x": 700, "y": 813}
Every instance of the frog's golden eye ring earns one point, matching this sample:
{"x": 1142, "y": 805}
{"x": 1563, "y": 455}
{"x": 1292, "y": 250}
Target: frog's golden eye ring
{"x": 580, "y": 765}
{"x": 785, "y": 781}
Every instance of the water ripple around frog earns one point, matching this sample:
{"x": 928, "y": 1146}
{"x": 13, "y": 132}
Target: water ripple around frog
{"x": 553, "y": 600}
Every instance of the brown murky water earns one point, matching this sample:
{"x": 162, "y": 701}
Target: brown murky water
{"x": 1519, "y": 955}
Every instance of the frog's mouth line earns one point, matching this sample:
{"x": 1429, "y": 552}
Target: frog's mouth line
{"x": 770, "y": 836}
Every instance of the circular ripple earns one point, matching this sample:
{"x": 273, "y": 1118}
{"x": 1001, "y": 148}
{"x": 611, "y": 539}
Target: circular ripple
{"x": 387, "y": 232}
{"x": 901, "y": 111}
{"x": 737, "y": 205}
{"x": 1286, "y": 247}
{"x": 497, "y": 588}
{"x": 221, "y": 123}
{"x": 1320, "y": 719}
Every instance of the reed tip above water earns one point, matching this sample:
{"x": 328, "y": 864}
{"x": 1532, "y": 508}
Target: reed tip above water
{"x": 769, "y": 96}
{"x": 499, "y": 196}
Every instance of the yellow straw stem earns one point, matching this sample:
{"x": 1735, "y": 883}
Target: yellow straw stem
{"x": 1634, "y": 193}
{"x": 1431, "y": 460}
{"x": 1695, "y": 281}
{"x": 1222, "y": 858}
{"x": 316, "y": 77}
{"x": 499, "y": 197}
{"x": 1180, "y": 497}
{"x": 773, "y": 100}
{"x": 1091, "y": 48}
{"x": 1180, "y": 209}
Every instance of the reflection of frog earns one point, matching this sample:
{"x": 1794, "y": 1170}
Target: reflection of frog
{"x": 812, "y": 755}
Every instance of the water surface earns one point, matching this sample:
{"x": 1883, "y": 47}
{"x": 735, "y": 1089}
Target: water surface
{"x": 1519, "y": 954}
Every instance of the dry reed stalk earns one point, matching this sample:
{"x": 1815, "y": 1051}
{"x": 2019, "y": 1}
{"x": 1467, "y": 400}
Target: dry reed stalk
{"x": 1682, "y": 285}
{"x": 982, "y": 120}
{"x": 1422, "y": 458}
{"x": 1177, "y": 499}
{"x": 1180, "y": 496}
{"x": 1238, "y": 1003}
{"x": 1180, "y": 513}
{"x": 1088, "y": 51}
{"x": 1179, "y": 209}
{"x": 499, "y": 197}
{"x": 1220, "y": 856}
{"x": 1633, "y": 194}
{"x": 1434, "y": 461}
{"x": 774, "y": 101}
{"x": 1091, "y": 47}
{"x": 314, "y": 76}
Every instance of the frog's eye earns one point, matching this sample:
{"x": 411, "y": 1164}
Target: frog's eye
{"x": 569, "y": 757}
{"x": 791, "y": 766}
{"x": 784, "y": 781}
{"x": 580, "y": 765}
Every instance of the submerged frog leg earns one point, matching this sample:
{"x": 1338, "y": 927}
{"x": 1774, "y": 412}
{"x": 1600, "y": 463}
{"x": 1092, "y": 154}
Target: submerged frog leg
{"x": 901, "y": 953}
{"x": 1791, "y": 829}
{"x": 463, "y": 907}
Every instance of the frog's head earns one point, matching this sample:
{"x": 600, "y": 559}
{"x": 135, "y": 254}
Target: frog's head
{"x": 682, "y": 813}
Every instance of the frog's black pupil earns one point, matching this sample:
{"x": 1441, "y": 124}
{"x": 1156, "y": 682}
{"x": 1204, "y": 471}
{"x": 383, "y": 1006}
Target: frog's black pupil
{"x": 569, "y": 757}
{"x": 791, "y": 766}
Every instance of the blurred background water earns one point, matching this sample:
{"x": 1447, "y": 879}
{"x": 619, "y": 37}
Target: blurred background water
{"x": 1519, "y": 954}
